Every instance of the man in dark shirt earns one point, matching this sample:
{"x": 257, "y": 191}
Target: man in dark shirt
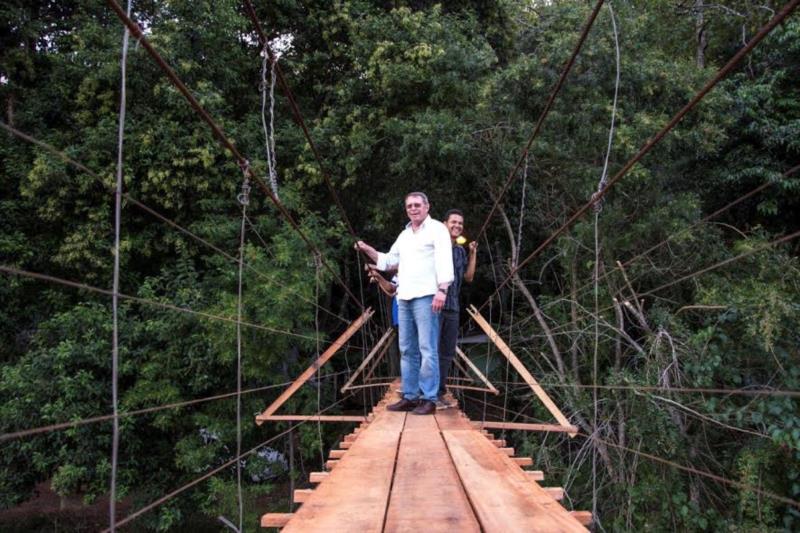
{"x": 463, "y": 268}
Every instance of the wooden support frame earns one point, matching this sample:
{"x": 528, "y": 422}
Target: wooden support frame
{"x": 557, "y": 493}
{"x": 584, "y": 517}
{"x": 370, "y": 385}
{"x": 477, "y": 371}
{"x": 554, "y": 428}
{"x": 460, "y": 366}
{"x": 310, "y": 371}
{"x": 468, "y": 387}
{"x": 535, "y": 475}
{"x": 275, "y": 519}
{"x": 521, "y": 370}
{"x": 301, "y": 495}
{"x": 379, "y": 349}
{"x": 312, "y": 418}
{"x": 317, "y": 477}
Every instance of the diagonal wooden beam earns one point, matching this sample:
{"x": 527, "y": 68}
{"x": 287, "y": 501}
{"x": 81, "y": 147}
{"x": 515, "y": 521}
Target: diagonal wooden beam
{"x": 490, "y": 424}
{"x": 520, "y": 368}
{"x": 379, "y": 348}
{"x": 460, "y": 366}
{"x": 477, "y": 371}
{"x": 315, "y": 418}
{"x": 321, "y": 360}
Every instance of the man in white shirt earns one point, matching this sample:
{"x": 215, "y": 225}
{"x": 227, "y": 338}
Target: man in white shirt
{"x": 423, "y": 256}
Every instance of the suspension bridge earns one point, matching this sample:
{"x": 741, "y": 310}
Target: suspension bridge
{"x": 397, "y": 471}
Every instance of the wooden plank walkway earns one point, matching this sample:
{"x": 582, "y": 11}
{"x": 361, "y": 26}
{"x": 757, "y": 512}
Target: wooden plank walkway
{"x": 402, "y": 473}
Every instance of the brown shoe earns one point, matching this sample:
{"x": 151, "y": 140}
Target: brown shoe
{"x": 402, "y": 405}
{"x": 425, "y": 407}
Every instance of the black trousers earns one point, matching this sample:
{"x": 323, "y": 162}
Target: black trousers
{"x": 448, "y": 335}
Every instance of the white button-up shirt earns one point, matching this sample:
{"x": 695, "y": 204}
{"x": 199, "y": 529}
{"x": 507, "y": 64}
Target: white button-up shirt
{"x": 424, "y": 259}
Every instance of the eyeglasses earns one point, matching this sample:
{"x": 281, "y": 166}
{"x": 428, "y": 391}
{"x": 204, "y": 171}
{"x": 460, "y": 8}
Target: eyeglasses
{"x": 412, "y": 206}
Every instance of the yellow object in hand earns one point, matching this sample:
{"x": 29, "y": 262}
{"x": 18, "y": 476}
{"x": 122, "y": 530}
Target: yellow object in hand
{"x": 461, "y": 240}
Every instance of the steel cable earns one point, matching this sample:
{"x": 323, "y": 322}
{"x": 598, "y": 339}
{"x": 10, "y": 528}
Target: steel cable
{"x": 652, "y": 142}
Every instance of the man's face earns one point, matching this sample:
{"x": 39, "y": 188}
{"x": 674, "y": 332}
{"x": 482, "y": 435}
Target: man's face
{"x": 455, "y": 225}
{"x": 416, "y": 209}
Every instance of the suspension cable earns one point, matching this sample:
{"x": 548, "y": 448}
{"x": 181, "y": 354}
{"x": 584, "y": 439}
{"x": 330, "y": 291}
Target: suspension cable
{"x": 681, "y": 232}
{"x": 112, "y": 497}
{"x": 556, "y": 88}
{"x": 691, "y": 470}
{"x": 251, "y": 12}
{"x": 5, "y": 437}
{"x": 653, "y": 141}
{"x": 704, "y": 270}
{"x": 136, "y": 514}
{"x": 223, "y": 139}
{"x": 172, "y": 307}
{"x": 244, "y": 200}
{"x": 83, "y": 168}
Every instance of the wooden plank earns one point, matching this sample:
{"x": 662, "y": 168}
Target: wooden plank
{"x": 536, "y": 475}
{"x": 450, "y": 419}
{"x": 557, "y": 493}
{"x": 584, "y": 517}
{"x": 525, "y": 427}
{"x": 523, "y": 461}
{"x": 500, "y": 443}
{"x": 508, "y": 451}
{"x": 370, "y": 385}
{"x": 520, "y": 368}
{"x": 321, "y": 360}
{"x": 477, "y": 371}
{"x": 380, "y": 347}
{"x": 355, "y": 494}
{"x": 331, "y": 464}
{"x": 504, "y": 499}
{"x": 275, "y": 519}
{"x": 314, "y": 418}
{"x": 426, "y": 492}
{"x": 301, "y": 495}
{"x": 345, "y": 445}
{"x": 469, "y": 387}
{"x": 318, "y": 477}
{"x": 337, "y": 454}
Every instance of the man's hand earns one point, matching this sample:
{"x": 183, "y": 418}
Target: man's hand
{"x": 365, "y": 248}
{"x": 438, "y": 301}
{"x": 473, "y": 247}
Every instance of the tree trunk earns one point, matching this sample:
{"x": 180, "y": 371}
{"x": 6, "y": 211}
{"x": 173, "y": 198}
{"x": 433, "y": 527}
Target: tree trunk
{"x": 10, "y": 110}
{"x": 701, "y": 33}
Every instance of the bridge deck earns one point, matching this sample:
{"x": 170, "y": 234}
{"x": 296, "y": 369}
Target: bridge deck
{"x": 403, "y": 472}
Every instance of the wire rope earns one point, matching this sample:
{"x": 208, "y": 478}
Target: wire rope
{"x": 244, "y": 200}
{"x": 655, "y": 139}
{"x": 147, "y": 209}
{"x": 112, "y": 498}
{"x": 162, "y": 305}
{"x": 296, "y": 112}
{"x": 136, "y": 514}
{"x": 556, "y": 89}
{"x": 5, "y": 437}
{"x": 692, "y": 470}
{"x": 223, "y": 139}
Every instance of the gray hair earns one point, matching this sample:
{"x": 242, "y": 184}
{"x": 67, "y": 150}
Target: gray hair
{"x": 420, "y": 194}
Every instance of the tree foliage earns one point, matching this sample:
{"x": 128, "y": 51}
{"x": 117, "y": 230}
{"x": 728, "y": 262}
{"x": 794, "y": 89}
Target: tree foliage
{"x": 400, "y": 96}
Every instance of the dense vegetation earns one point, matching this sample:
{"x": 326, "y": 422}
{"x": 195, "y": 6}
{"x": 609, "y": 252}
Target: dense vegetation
{"x": 399, "y": 96}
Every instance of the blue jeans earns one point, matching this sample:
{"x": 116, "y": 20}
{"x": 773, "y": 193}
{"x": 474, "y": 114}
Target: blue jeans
{"x": 448, "y": 335}
{"x": 419, "y": 348}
